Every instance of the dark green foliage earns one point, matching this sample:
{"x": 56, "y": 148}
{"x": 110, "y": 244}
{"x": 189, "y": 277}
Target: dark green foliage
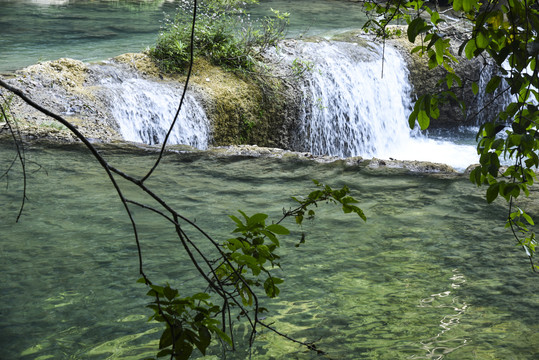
{"x": 326, "y": 193}
{"x": 506, "y": 32}
{"x": 224, "y": 34}
{"x": 189, "y": 321}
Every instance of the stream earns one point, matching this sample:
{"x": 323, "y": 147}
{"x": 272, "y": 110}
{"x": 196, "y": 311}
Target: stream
{"x": 39, "y": 30}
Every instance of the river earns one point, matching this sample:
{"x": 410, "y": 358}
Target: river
{"x": 431, "y": 274}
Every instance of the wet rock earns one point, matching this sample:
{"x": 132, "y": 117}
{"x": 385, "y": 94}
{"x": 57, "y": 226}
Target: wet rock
{"x": 358, "y": 162}
{"x": 410, "y": 165}
{"x": 61, "y": 86}
{"x": 139, "y": 62}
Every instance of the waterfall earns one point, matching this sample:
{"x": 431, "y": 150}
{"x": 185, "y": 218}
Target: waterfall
{"x": 144, "y": 111}
{"x": 352, "y": 105}
{"x": 487, "y": 106}
{"x": 350, "y": 109}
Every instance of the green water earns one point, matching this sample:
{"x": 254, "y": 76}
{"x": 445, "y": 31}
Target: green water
{"x": 431, "y": 275}
{"x": 90, "y": 30}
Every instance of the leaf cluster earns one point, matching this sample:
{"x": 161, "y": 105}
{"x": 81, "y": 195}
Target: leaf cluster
{"x": 189, "y": 321}
{"x": 325, "y": 193}
{"x": 243, "y": 270}
{"x": 254, "y": 246}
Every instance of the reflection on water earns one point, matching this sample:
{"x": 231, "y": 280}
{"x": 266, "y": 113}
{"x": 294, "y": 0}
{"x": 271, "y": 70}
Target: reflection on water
{"x": 431, "y": 275}
{"x": 437, "y": 346}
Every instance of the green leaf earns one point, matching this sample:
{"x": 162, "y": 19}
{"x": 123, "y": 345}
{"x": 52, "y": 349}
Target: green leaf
{"x": 528, "y": 218}
{"x": 201, "y": 296}
{"x": 434, "y": 17}
{"x": 493, "y": 84}
{"x": 511, "y": 190}
{"x": 481, "y": 40}
{"x": 449, "y": 80}
{"x": 418, "y": 48}
{"x": 475, "y": 88}
{"x": 166, "y": 338}
{"x": 237, "y": 221}
{"x": 257, "y": 219}
{"x": 492, "y": 192}
{"x": 475, "y": 176}
{"x": 414, "y": 28}
{"x": 234, "y": 244}
{"x": 423, "y": 119}
{"x": 158, "y": 289}
{"x": 352, "y": 208}
{"x": 412, "y": 118}
{"x": 183, "y": 350}
{"x": 205, "y": 339}
{"x": 439, "y": 46}
{"x": 246, "y": 300}
{"x": 468, "y": 5}
{"x": 264, "y": 251}
{"x": 269, "y": 286}
{"x": 271, "y": 236}
{"x": 469, "y": 50}
{"x": 169, "y": 292}
{"x": 246, "y": 259}
{"x": 433, "y": 62}
{"x": 435, "y": 110}
{"x": 278, "y": 229}
{"x": 164, "y": 352}
{"x": 221, "y": 334}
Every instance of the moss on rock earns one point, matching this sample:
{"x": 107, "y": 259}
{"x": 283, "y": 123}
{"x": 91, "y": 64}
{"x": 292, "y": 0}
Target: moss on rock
{"x": 139, "y": 62}
{"x": 68, "y": 73}
{"x": 243, "y": 108}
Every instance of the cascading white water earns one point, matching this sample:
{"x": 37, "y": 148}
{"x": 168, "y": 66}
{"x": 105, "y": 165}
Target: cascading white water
{"x": 351, "y": 109}
{"x": 144, "y": 111}
{"x": 486, "y": 106}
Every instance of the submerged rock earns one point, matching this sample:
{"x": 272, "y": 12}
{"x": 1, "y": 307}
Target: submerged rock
{"x": 357, "y": 161}
{"x": 411, "y": 165}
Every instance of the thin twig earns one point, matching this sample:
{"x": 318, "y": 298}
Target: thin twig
{"x": 191, "y": 60}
